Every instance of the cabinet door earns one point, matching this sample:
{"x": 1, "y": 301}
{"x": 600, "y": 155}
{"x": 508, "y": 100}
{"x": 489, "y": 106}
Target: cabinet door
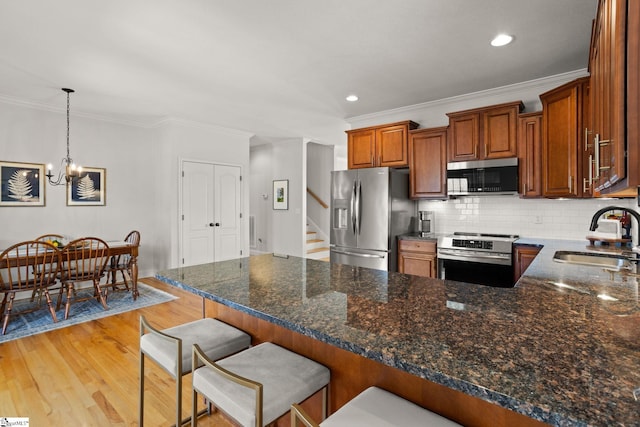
{"x": 559, "y": 143}
{"x": 499, "y": 133}
{"x": 416, "y": 263}
{"x": 464, "y": 137}
{"x": 361, "y": 148}
{"x": 391, "y": 145}
{"x": 417, "y": 257}
{"x": 428, "y": 163}
{"x": 530, "y": 154}
{"x": 608, "y": 78}
{"x": 523, "y": 257}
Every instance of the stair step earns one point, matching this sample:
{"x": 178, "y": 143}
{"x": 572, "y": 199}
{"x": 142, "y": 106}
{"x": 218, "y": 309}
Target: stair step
{"x": 314, "y": 241}
{"x": 316, "y": 250}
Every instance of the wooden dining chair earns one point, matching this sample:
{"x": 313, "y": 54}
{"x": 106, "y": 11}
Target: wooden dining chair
{"x": 18, "y": 263}
{"x": 49, "y": 238}
{"x": 122, "y": 264}
{"x": 84, "y": 260}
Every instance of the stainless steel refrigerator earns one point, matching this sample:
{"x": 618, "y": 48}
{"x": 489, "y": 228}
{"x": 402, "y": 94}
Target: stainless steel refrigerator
{"x": 369, "y": 209}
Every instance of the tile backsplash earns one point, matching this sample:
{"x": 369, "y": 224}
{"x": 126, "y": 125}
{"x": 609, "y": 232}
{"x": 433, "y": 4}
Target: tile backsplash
{"x": 547, "y": 218}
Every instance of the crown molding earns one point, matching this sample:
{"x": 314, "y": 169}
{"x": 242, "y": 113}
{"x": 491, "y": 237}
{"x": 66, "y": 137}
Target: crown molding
{"x": 146, "y": 124}
{"x": 556, "y": 79}
{"x": 199, "y": 125}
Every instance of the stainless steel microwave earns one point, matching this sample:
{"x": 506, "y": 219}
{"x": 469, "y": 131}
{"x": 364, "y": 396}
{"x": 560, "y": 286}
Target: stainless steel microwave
{"x": 483, "y": 177}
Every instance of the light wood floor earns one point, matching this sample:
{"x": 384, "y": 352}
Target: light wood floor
{"x": 87, "y": 374}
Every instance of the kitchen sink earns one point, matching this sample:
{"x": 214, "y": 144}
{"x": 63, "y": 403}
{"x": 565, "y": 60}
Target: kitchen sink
{"x": 592, "y": 259}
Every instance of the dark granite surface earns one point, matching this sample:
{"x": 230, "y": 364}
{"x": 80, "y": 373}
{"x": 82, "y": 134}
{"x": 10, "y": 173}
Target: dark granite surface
{"x": 552, "y": 348}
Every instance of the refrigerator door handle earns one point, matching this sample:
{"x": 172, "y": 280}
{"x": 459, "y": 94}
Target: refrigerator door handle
{"x": 353, "y": 206}
{"x": 357, "y": 254}
{"x": 358, "y": 206}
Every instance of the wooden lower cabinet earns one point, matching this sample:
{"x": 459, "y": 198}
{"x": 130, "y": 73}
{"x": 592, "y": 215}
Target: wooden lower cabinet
{"x": 418, "y": 257}
{"x": 523, "y": 256}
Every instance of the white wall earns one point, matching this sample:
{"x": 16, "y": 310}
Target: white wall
{"x": 142, "y": 176}
{"x": 289, "y": 225}
{"x": 261, "y": 195}
{"x": 280, "y": 159}
{"x": 319, "y": 166}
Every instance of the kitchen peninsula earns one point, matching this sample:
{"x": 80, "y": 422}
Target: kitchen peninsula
{"x": 548, "y": 350}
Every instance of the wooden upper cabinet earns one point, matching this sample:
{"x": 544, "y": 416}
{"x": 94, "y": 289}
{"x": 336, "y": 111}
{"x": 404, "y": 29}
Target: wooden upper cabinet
{"x": 428, "y": 163}
{"x": 613, "y": 64}
{"x": 464, "y": 137}
{"x": 361, "y": 148}
{"x": 385, "y": 145}
{"x": 530, "y": 154}
{"x": 484, "y": 133}
{"x": 562, "y": 131}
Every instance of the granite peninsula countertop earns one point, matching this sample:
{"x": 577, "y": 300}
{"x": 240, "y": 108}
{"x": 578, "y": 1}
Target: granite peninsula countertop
{"x": 549, "y": 348}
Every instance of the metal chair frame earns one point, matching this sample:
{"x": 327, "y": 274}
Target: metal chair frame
{"x": 200, "y": 359}
{"x": 145, "y": 327}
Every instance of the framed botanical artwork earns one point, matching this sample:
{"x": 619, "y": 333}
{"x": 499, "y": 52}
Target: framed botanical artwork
{"x": 89, "y": 189}
{"x": 281, "y": 194}
{"x": 22, "y": 184}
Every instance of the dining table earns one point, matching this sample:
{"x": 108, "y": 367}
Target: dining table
{"x": 117, "y": 247}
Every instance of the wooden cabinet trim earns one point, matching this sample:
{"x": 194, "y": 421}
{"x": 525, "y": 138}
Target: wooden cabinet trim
{"x": 479, "y": 110}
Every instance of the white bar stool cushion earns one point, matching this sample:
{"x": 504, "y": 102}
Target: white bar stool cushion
{"x": 217, "y": 339}
{"x": 375, "y": 407}
{"x": 286, "y": 377}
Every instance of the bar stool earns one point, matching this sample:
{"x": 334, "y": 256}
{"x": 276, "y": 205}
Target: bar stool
{"x": 257, "y": 386}
{"x": 375, "y": 407}
{"x": 171, "y": 350}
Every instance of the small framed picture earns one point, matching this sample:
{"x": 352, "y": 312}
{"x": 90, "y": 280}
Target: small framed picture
{"x": 89, "y": 189}
{"x": 281, "y": 194}
{"x": 22, "y": 184}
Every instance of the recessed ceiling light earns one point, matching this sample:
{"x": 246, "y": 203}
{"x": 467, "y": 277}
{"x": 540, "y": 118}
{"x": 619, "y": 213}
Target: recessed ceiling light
{"x": 352, "y": 98}
{"x": 501, "y": 40}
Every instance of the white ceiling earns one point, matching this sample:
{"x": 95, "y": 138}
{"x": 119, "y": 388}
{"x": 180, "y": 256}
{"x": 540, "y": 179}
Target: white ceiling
{"x": 278, "y": 68}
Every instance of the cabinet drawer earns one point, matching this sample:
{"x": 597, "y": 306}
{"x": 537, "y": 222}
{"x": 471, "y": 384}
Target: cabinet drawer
{"x": 417, "y": 246}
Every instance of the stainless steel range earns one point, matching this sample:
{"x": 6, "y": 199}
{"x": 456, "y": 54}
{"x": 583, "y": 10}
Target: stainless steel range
{"x": 484, "y": 259}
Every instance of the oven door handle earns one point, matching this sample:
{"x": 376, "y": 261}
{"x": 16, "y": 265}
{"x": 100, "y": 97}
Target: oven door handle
{"x": 491, "y": 259}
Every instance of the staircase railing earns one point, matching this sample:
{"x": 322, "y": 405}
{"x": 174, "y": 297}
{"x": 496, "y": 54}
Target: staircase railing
{"x": 317, "y": 198}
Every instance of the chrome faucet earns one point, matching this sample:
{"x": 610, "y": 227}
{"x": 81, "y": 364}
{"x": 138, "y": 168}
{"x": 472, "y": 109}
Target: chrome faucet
{"x": 597, "y": 215}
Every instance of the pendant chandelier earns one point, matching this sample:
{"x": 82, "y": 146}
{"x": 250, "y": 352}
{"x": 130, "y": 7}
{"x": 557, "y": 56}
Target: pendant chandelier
{"x": 71, "y": 171}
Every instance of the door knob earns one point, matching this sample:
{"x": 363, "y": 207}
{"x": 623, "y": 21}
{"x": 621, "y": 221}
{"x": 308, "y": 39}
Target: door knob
{"x": 211, "y": 224}
{"x": 217, "y": 224}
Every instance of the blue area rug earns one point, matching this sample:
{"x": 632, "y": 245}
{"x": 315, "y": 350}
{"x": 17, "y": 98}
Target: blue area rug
{"x": 22, "y": 325}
